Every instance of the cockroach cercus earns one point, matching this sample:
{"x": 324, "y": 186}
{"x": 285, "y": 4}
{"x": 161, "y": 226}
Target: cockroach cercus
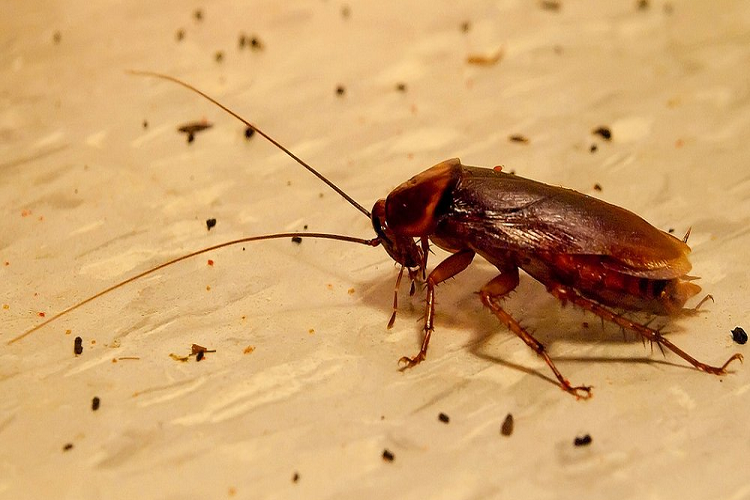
{"x": 593, "y": 254}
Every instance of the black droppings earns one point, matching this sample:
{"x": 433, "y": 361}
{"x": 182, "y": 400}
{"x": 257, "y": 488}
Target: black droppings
{"x": 249, "y": 132}
{"x": 95, "y": 403}
{"x": 507, "y": 427}
{"x": 210, "y": 223}
{"x": 593, "y": 148}
{"x": 199, "y": 356}
{"x": 388, "y": 455}
{"x": 78, "y": 346}
{"x": 340, "y": 90}
{"x": 739, "y": 335}
{"x": 444, "y": 418}
{"x": 582, "y": 441}
{"x": 296, "y": 239}
{"x": 68, "y": 447}
{"x": 295, "y": 477}
{"x": 603, "y": 132}
{"x": 597, "y": 187}
{"x": 518, "y": 138}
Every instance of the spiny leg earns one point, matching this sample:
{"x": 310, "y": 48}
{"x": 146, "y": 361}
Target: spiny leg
{"x": 566, "y": 294}
{"x": 445, "y": 270}
{"x": 491, "y": 293}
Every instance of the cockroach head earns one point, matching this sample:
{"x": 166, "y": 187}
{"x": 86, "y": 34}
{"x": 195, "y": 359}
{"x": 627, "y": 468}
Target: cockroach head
{"x": 402, "y": 249}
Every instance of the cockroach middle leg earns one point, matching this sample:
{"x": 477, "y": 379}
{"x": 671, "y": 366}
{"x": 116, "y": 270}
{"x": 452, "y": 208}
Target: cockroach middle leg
{"x": 491, "y": 293}
{"x": 566, "y": 294}
{"x": 445, "y": 270}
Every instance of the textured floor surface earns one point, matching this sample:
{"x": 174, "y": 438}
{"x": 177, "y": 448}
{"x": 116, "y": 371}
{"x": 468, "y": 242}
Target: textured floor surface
{"x": 303, "y": 394}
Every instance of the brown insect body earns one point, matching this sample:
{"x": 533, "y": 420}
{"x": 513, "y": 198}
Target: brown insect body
{"x": 584, "y": 250}
{"x": 554, "y": 234}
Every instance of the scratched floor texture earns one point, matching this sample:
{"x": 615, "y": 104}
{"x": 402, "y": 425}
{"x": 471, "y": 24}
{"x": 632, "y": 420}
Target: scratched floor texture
{"x": 96, "y": 185}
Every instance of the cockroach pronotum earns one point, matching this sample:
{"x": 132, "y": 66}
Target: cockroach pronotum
{"x": 593, "y": 254}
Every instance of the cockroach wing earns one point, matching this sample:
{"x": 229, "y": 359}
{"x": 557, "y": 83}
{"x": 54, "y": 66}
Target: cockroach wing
{"x": 492, "y": 208}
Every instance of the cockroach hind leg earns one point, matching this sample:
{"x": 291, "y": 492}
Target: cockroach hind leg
{"x": 654, "y": 336}
{"x": 703, "y": 301}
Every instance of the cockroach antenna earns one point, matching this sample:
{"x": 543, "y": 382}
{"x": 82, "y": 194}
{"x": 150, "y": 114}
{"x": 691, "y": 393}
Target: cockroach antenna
{"x": 273, "y": 141}
{"x": 372, "y": 242}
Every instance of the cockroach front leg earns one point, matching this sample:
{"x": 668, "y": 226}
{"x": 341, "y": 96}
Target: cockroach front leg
{"x": 567, "y": 294}
{"x": 412, "y": 278}
{"x": 491, "y": 293}
{"x": 445, "y": 270}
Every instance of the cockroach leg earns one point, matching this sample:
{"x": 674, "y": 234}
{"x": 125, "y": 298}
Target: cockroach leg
{"x": 703, "y": 301}
{"x": 491, "y": 293}
{"x": 568, "y": 294}
{"x": 395, "y": 298}
{"x": 445, "y": 270}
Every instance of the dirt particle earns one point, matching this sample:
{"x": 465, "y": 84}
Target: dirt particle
{"x": 582, "y": 440}
{"x": 507, "y": 428}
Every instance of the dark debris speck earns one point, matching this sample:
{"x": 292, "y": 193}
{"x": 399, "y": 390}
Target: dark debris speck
{"x": 739, "y": 335}
{"x": 388, "y": 455}
{"x": 582, "y": 440}
{"x": 210, "y": 223}
{"x": 444, "y": 418}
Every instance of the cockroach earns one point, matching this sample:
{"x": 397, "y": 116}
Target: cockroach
{"x": 583, "y": 250}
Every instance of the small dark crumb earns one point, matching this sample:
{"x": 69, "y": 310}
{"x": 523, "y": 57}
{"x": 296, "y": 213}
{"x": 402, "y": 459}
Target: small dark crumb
{"x": 57, "y": 37}
{"x": 78, "y": 346}
{"x": 249, "y": 132}
{"x": 295, "y": 477}
{"x": 296, "y": 239}
{"x": 95, "y": 403}
{"x": 582, "y": 441}
{"x": 604, "y": 132}
{"x": 593, "y": 148}
{"x": 199, "y": 356}
{"x": 642, "y": 5}
{"x": 256, "y": 44}
{"x": 190, "y": 137}
{"x": 180, "y": 35}
{"x": 340, "y": 90}
{"x": 739, "y": 335}
{"x": 518, "y": 138}
{"x": 346, "y": 12}
{"x": 145, "y": 123}
{"x": 597, "y": 187}
{"x": 401, "y": 87}
{"x": 507, "y": 427}
{"x": 305, "y": 228}
{"x": 553, "y": 5}
{"x": 671, "y": 230}
{"x": 388, "y": 455}
{"x": 210, "y": 223}
{"x": 444, "y": 418}
{"x": 219, "y": 56}
{"x": 198, "y": 15}
{"x": 68, "y": 447}
{"x": 465, "y": 26}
